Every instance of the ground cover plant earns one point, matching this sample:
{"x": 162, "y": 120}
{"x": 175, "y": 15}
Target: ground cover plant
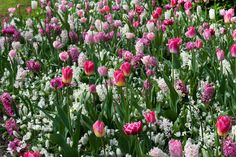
{"x": 118, "y": 78}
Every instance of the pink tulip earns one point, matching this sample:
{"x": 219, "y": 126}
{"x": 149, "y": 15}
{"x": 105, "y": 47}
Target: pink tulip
{"x": 223, "y": 125}
{"x": 157, "y": 13}
{"x": 220, "y": 54}
{"x": 11, "y": 10}
{"x": 89, "y": 68}
{"x": 99, "y": 128}
{"x": 150, "y": 116}
{"x": 32, "y": 154}
{"x": 228, "y": 15}
{"x": 151, "y": 36}
{"x": 119, "y": 78}
{"x": 67, "y": 74}
{"x": 132, "y": 128}
{"x": 12, "y": 54}
{"x": 188, "y": 5}
{"x": 191, "y": 32}
{"x": 126, "y": 68}
{"x": 64, "y": 56}
{"x": 174, "y": 44}
{"x": 234, "y": 35}
{"x": 233, "y": 50}
{"x": 208, "y": 33}
{"x": 198, "y": 44}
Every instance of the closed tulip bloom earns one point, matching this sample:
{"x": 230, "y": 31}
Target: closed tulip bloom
{"x": 89, "y": 68}
{"x": 198, "y": 44}
{"x": 119, "y": 78}
{"x": 233, "y": 50}
{"x": 64, "y": 56}
{"x": 67, "y": 74}
{"x": 174, "y": 44}
{"x": 99, "y": 128}
{"x": 126, "y": 68}
{"x": 191, "y": 32}
{"x": 12, "y": 54}
{"x": 212, "y": 14}
{"x": 150, "y": 116}
{"x": 220, "y": 54}
{"x": 32, "y": 154}
{"x": 132, "y": 128}
{"x": 234, "y": 35}
{"x": 157, "y": 13}
{"x": 34, "y": 4}
{"x": 188, "y": 5}
{"x": 223, "y": 125}
{"x": 175, "y": 148}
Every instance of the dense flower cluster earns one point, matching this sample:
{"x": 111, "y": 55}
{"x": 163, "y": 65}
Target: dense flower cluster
{"x": 118, "y": 78}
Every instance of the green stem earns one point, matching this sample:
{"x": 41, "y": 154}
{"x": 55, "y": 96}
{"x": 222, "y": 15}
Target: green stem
{"x": 173, "y": 71}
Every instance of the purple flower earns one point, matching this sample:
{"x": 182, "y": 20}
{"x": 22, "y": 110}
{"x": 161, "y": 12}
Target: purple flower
{"x": 74, "y": 54}
{"x": 33, "y": 66}
{"x": 6, "y": 100}
{"x": 73, "y": 37}
{"x": 207, "y": 94}
{"x": 229, "y": 148}
{"x": 56, "y": 83}
{"x": 11, "y": 126}
{"x": 175, "y": 148}
{"x": 181, "y": 88}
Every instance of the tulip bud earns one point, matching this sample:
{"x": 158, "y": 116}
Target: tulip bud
{"x": 132, "y": 128}
{"x": 220, "y": 54}
{"x": 67, "y": 74}
{"x": 150, "y": 116}
{"x": 34, "y": 4}
{"x": 119, "y": 78}
{"x": 32, "y": 154}
{"x": 99, "y": 128}
{"x": 223, "y": 125}
{"x": 89, "y": 68}
{"x": 126, "y": 68}
{"x": 233, "y": 50}
{"x": 63, "y": 56}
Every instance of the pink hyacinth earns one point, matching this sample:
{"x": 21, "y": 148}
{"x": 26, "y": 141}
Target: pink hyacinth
{"x": 233, "y": 50}
{"x": 207, "y": 94}
{"x": 146, "y": 84}
{"x": 149, "y": 61}
{"x": 229, "y": 147}
{"x": 102, "y": 71}
{"x": 150, "y": 116}
{"x": 33, "y": 66}
{"x": 74, "y": 54}
{"x": 92, "y": 88}
{"x": 174, "y": 44}
{"x": 6, "y": 100}
{"x": 11, "y": 126}
{"x": 181, "y": 88}
{"x": 56, "y": 83}
{"x": 132, "y": 128}
{"x": 175, "y": 148}
{"x": 191, "y": 32}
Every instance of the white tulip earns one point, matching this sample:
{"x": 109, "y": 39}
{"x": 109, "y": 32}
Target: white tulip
{"x": 212, "y": 14}
{"x": 34, "y": 4}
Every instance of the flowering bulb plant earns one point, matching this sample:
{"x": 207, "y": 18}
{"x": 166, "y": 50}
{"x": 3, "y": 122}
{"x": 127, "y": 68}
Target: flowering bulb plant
{"x": 118, "y": 78}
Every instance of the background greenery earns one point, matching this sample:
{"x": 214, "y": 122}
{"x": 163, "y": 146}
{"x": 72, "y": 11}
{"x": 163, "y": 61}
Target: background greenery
{"x": 5, "y": 4}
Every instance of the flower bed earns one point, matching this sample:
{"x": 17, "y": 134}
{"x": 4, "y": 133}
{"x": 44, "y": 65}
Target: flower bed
{"x": 118, "y": 78}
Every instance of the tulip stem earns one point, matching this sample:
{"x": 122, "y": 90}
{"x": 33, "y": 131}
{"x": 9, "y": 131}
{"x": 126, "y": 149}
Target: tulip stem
{"x": 173, "y": 71}
{"x": 103, "y": 145}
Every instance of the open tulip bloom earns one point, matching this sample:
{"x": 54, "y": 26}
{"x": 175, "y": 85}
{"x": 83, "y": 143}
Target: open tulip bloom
{"x": 118, "y": 78}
